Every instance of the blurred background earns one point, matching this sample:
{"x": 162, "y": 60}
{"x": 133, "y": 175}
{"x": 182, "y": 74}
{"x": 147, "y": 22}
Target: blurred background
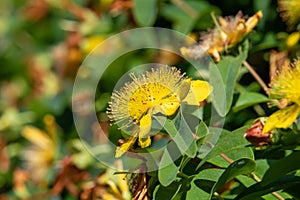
{"x": 42, "y": 45}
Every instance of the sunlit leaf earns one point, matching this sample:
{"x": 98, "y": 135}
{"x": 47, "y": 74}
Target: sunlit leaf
{"x": 227, "y": 141}
{"x": 224, "y": 77}
{"x": 182, "y": 135}
{"x": 247, "y": 99}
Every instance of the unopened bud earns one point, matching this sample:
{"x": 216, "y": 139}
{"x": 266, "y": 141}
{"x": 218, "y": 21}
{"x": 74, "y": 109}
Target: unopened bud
{"x": 255, "y": 135}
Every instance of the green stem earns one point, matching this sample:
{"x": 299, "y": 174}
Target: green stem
{"x": 182, "y": 175}
{"x": 257, "y": 179}
{"x": 218, "y": 196}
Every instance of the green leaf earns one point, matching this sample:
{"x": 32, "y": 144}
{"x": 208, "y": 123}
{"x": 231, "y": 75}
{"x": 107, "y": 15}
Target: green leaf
{"x": 182, "y": 135}
{"x": 257, "y": 190}
{"x": 218, "y": 94}
{"x": 201, "y": 130}
{"x": 224, "y": 76}
{"x": 145, "y": 12}
{"x": 234, "y": 154}
{"x": 163, "y": 193}
{"x": 241, "y": 166}
{"x": 247, "y": 99}
{"x": 182, "y": 19}
{"x": 282, "y": 167}
{"x": 262, "y": 166}
{"x": 185, "y": 186}
{"x": 227, "y": 141}
{"x": 246, "y": 180}
{"x": 169, "y": 164}
{"x": 264, "y": 6}
{"x": 186, "y": 134}
{"x": 202, "y": 183}
{"x": 294, "y": 191}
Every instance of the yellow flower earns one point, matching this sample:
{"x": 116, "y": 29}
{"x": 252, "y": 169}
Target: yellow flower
{"x": 290, "y": 11}
{"x": 285, "y": 87}
{"x": 97, "y": 45}
{"x": 117, "y": 182}
{"x": 227, "y": 33}
{"x": 160, "y": 90}
{"x": 90, "y": 43}
{"x": 41, "y": 154}
{"x": 293, "y": 39}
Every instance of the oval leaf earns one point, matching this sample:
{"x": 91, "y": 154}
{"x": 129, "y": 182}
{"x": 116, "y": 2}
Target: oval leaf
{"x": 282, "y": 167}
{"x": 247, "y": 99}
{"x": 144, "y": 12}
{"x": 223, "y": 77}
{"x": 169, "y": 164}
{"x": 241, "y": 166}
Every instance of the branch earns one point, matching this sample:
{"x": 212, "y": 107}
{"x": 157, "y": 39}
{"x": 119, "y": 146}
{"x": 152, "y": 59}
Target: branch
{"x": 257, "y": 77}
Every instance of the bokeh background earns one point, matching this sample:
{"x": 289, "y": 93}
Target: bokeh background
{"x": 42, "y": 45}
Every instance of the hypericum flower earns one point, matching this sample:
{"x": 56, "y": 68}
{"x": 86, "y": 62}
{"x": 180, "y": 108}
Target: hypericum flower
{"x": 227, "y": 33}
{"x": 40, "y": 156}
{"x": 290, "y": 11}
{"x": 285, "y": 87}
{"x": 160, "y": 90}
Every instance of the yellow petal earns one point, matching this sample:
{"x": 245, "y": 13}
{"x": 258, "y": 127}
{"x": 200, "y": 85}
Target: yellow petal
{"x": 125, "y": 147}
{"x": 167, "y": 106}
{"x": 37, "y": 137}
{"x": 293, "y": 39}
{"x": 145, "y": 127}
{"x": 282, "y": 118}
{"x": 145, "y": 142}
{"x": 107, "y": 196}
{"x": 253, "y": 21}
{"x": 199, "y": 91}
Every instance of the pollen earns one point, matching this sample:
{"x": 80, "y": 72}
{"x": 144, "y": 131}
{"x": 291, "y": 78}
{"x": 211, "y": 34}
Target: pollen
{"x": 285, "y": 87}
{"x": 160, "y": 90}
{"x": 137, "y": 97}
{"x": 287, "y": 84}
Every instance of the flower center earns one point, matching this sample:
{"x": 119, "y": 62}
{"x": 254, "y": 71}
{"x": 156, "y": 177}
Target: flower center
{"x": 287, "y": 85}
{"x": 147, "y": 96}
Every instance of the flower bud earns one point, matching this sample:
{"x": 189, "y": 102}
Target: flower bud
{"x": 255, "y": 135}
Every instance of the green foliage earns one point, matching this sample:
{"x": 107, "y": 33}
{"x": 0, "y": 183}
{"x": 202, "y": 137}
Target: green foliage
{"x": 228, "y": 70}
{"x": 247, "y": 99}
{"x": 200, "y": 152}
{"x": 145, "y": 12}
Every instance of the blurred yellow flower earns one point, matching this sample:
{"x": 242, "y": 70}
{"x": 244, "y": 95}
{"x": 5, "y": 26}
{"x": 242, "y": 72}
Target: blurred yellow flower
{"x": 286, "y": 87}
{"x": 160, "y": 90}
{"x": 293, "y": 39}
{"x": 109, "y": 185}
{"x": 227, "y": 33}
{"x": 290, "y": 11}
{"x": 90, "y": 43}
{"x": 41, "y": 154}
